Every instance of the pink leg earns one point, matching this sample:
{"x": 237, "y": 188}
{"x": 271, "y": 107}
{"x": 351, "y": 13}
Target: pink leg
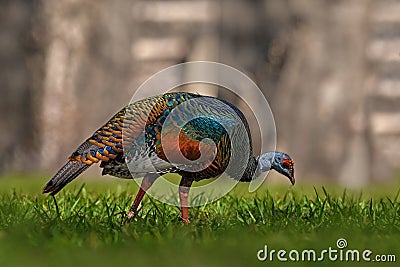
{"x": 147, "y": 182}
{"x": 183, "y": 196}
{"x": 184, "y": 188}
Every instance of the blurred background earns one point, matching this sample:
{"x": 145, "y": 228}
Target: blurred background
{"x": 329, "y": 69}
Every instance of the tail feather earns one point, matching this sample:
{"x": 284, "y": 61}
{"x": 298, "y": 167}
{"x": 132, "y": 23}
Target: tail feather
{"x": 65, "y": 175}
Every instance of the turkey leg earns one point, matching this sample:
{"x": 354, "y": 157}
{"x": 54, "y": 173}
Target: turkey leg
{"x": 184, "y": 188}
{"x": 147, "y": 182}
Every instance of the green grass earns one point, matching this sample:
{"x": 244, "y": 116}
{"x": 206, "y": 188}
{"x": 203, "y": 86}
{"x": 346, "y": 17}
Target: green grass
{"x": 89, "y": 231}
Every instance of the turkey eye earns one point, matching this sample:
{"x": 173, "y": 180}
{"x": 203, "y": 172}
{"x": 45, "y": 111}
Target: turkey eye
{"x": 285, "y": 164}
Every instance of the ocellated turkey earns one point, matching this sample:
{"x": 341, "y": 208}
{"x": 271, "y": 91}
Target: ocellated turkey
{"x": 134, "y": 134}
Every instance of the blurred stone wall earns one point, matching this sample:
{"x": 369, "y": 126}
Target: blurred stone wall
{"x": 21, "y": 75}
{"x": 322, "y": 90}
{"x": 328, "y": 68}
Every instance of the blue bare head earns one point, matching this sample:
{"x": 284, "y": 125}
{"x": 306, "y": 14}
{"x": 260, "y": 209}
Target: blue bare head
{"x": 278, "y": 161}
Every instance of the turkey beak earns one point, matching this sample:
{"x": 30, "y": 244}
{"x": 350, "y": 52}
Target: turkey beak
{"x": 290, "y": 175}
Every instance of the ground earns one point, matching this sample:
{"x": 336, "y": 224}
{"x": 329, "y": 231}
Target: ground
{"x": 87, "y": 229}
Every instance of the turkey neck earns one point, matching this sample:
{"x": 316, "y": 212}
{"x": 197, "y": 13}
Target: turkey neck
{"x": 249, "y": 173}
